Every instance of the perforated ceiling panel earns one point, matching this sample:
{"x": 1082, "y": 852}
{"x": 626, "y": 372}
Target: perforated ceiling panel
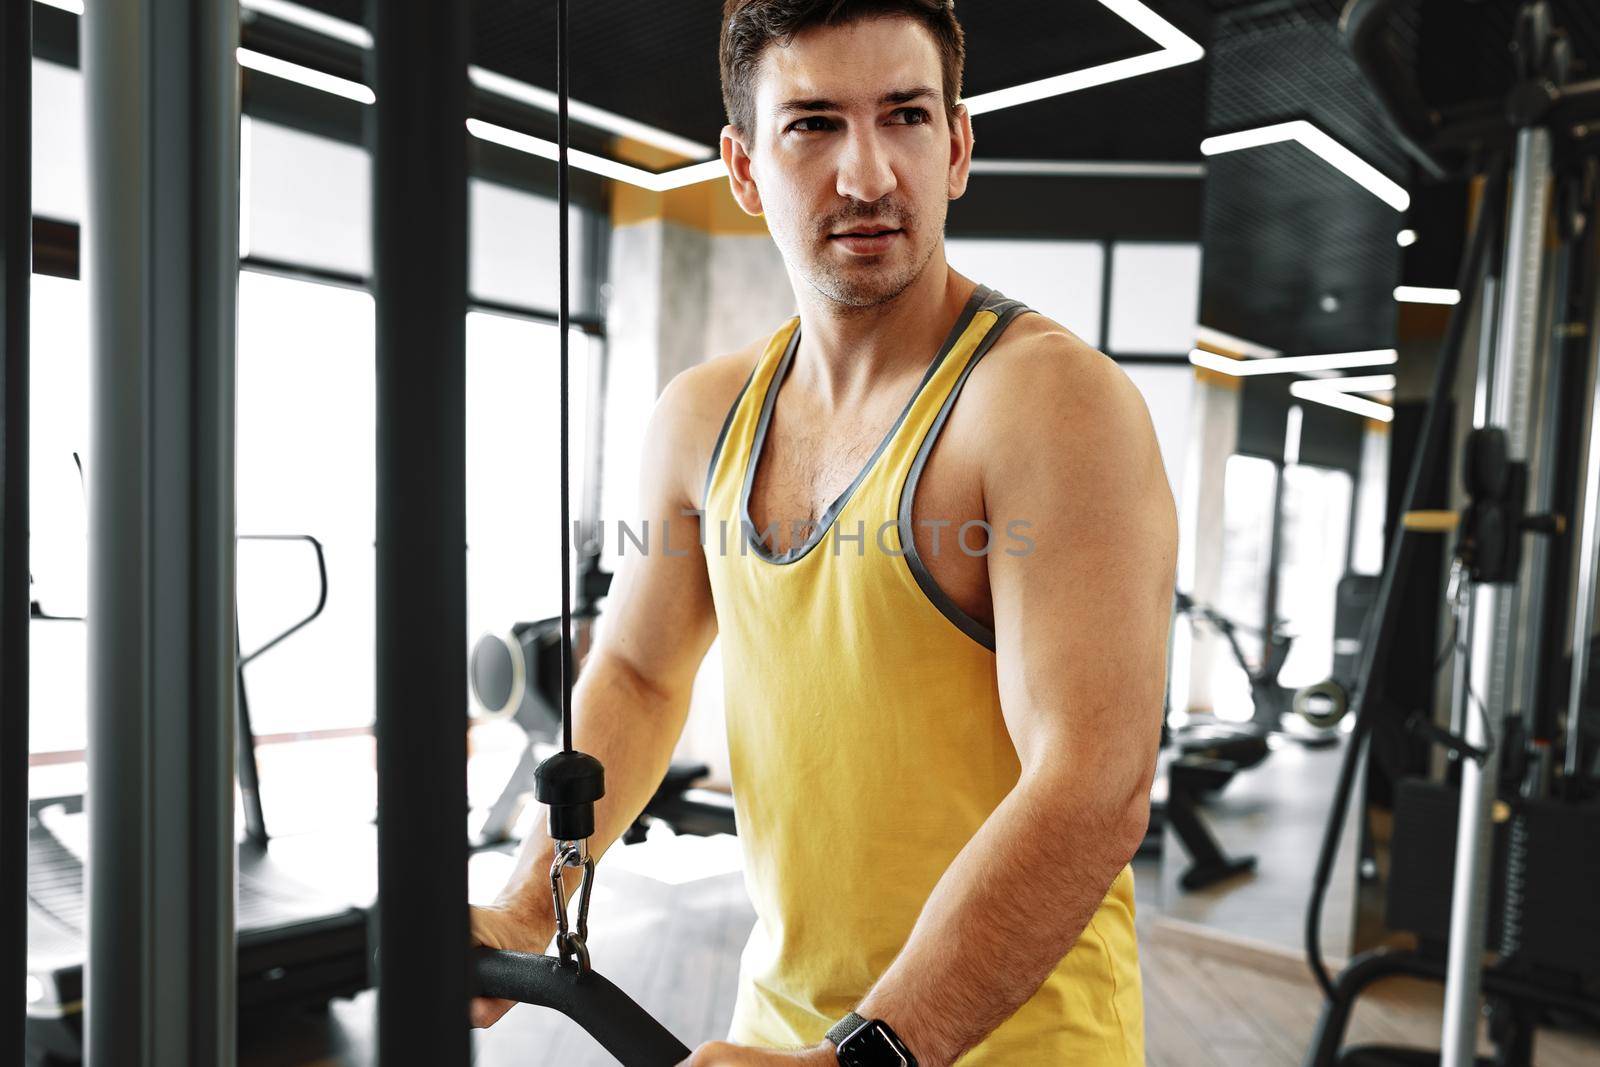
{"x": 1298, "y": 256}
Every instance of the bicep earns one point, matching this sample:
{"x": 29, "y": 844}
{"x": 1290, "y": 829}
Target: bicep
{"x": 659, "y": 617}
{"x": 1081, "y": 612}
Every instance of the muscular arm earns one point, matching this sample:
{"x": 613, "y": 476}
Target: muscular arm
{"x": 632, "y": 696}
{"x": 1080, "y": 628}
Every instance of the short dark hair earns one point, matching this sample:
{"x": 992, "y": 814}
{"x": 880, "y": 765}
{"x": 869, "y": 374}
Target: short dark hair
{"x": 749, "y": 26}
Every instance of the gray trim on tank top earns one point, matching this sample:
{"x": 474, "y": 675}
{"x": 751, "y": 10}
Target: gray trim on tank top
{"x": 980, "y": 298}
{"x": 1007, "y": 310}
{"x": 722, "y": 436}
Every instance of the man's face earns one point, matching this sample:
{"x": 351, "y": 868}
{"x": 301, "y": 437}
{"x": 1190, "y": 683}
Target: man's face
{"x": 855, "y": 157}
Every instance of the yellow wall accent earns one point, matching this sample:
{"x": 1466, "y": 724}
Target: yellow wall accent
{"x": 1207, "y": 376}
{"x": 708, "y": 206}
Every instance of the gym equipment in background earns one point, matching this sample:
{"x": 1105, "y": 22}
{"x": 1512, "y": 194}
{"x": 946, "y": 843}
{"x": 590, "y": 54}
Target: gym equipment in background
{"x": 518, "y": 674}
{"x": 1519, "y": 872}
{"x": 1273, "y": 703}
{"x": 298, "y": 947}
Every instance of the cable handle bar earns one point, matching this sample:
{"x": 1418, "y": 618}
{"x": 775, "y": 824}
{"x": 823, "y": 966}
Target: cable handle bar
{"x": 605, "y": 1012}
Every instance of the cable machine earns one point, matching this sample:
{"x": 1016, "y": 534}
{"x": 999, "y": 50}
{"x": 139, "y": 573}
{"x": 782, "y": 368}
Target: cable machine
{"x": 1514, "y": 811}
{"x": 425, "y": 975}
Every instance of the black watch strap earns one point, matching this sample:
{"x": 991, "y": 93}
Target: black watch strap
{"x": 844, "y": 1028}
{"x": 865, "y": 1042}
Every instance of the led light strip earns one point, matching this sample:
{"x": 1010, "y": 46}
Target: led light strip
{"x": 315, "y": 21}
{"x": 1336, "y": 393}
{"x": 1316, "y": 140}
{"x": 316, "y": 79}
{"x": 1244, "y": 368}
{"x": 588, "y": 114}
{"x": 1416, "y": 294}
{"x": 491, "y": 82}
{"x": 1176, "y": 49}
{"x": 605, "y": 168}
{"x": 1084, "y": 168}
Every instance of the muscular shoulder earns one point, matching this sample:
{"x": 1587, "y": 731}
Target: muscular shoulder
{"x": 688, "y": 418}
{"x": 1045, "y": 405}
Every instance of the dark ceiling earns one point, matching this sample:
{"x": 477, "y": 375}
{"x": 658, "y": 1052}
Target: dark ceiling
{"x": 1297, "y": 256}
{"x": 656, "y": 62}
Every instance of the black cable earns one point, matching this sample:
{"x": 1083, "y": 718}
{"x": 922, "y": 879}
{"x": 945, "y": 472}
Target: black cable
{"x": 1379, "y": 630}
{"x": 563, "y": 195}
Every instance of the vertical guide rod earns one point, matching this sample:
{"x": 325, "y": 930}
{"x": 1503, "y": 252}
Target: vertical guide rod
{"x": 1486, "y": 701}
{"x": 16, "y": 247}
{"x": 419, "y": 223}
{"x": 1588, "y": 561}
{"x": 161, "y": 82}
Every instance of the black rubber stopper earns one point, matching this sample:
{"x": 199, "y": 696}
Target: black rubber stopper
{"x": 569, "y": 783}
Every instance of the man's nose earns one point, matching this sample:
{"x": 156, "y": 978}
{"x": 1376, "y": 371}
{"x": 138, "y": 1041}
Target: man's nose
{"x": 865, "y": 172}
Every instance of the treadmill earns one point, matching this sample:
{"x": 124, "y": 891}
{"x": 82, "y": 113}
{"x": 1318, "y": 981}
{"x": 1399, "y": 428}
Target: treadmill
{"x": 299, "y": 947}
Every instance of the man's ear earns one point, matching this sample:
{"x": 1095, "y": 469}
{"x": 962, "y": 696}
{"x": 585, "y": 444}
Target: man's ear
{"x": 736, "y": 157}
{"x": 960, "y": 152}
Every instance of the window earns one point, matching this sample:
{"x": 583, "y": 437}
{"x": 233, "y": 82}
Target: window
{"x": 1155, "y": 298}
{"x": 513, "y": 529}
{"x": 1168, "y": 392}
{"x": 1316, "y": 529}
{"x": 58, "y": 542}
{"x": 304, "y": 465}
{"x": 1060, "y": 279}
{"x": 60, "y": 143}
{"x": 1249, "y": 487}
{"x": 303, "y": 199}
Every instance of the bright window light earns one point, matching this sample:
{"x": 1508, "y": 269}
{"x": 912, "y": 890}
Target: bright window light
{"x": 1406, "y": 238}
{"x": 1417, "y": 294}
{"x": 315, "y": 21}
{"x": 314, "y": 79}
{"x": 72, "y": 7}
{"x": 1244, "y": 368}
{"x": 1316, "y": 140}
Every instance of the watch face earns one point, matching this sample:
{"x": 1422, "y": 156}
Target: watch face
{"x": 874, "y": 1045}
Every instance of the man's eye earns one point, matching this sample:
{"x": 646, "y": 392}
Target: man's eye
{"x": 812, "y": 124}
{"x": 912, "y": 116}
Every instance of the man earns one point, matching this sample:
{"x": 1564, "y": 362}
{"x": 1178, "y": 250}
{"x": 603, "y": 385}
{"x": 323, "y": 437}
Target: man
{"x": 943, "y": 665}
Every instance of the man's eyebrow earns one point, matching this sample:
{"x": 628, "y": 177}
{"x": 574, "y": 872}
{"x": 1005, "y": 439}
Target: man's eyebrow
{"x": 803, "y": 106}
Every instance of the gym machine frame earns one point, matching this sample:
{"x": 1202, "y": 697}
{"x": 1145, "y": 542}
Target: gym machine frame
{"x": 1544, "y": 114}
{"x": 418, "y": 141}
{"x": 16, "y": 259}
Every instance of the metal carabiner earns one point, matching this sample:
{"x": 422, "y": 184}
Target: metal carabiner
{"x": 572, "y": 945}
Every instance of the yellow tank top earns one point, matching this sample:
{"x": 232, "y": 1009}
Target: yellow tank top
{"x": 867, "y": 741}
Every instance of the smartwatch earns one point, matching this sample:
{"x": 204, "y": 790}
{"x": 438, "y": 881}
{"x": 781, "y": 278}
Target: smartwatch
{"x": 869, "y": 1043}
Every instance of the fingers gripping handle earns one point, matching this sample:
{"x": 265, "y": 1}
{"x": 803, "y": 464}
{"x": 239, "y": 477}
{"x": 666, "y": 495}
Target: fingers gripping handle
{"x": 605, "y": 1012}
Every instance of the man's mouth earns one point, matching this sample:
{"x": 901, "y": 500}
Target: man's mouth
{"x": 866, "y": 239}
{"x": 876, "y": 231}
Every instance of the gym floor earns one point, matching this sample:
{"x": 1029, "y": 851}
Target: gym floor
{"x": 671, "y": 916}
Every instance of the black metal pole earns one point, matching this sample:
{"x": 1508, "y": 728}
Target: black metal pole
{"x": 419, "y": 221}
{"x": 16, "y": 35}
{"x": 161, "y": 84}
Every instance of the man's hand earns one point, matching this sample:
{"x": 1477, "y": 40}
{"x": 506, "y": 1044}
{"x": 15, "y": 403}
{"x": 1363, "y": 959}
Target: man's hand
{"x": 727, "y": 1054}
{"x": 502, "y": 928}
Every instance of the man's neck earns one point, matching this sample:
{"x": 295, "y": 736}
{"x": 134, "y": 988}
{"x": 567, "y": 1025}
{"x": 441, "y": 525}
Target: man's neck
{"x": 845, "y": 351}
